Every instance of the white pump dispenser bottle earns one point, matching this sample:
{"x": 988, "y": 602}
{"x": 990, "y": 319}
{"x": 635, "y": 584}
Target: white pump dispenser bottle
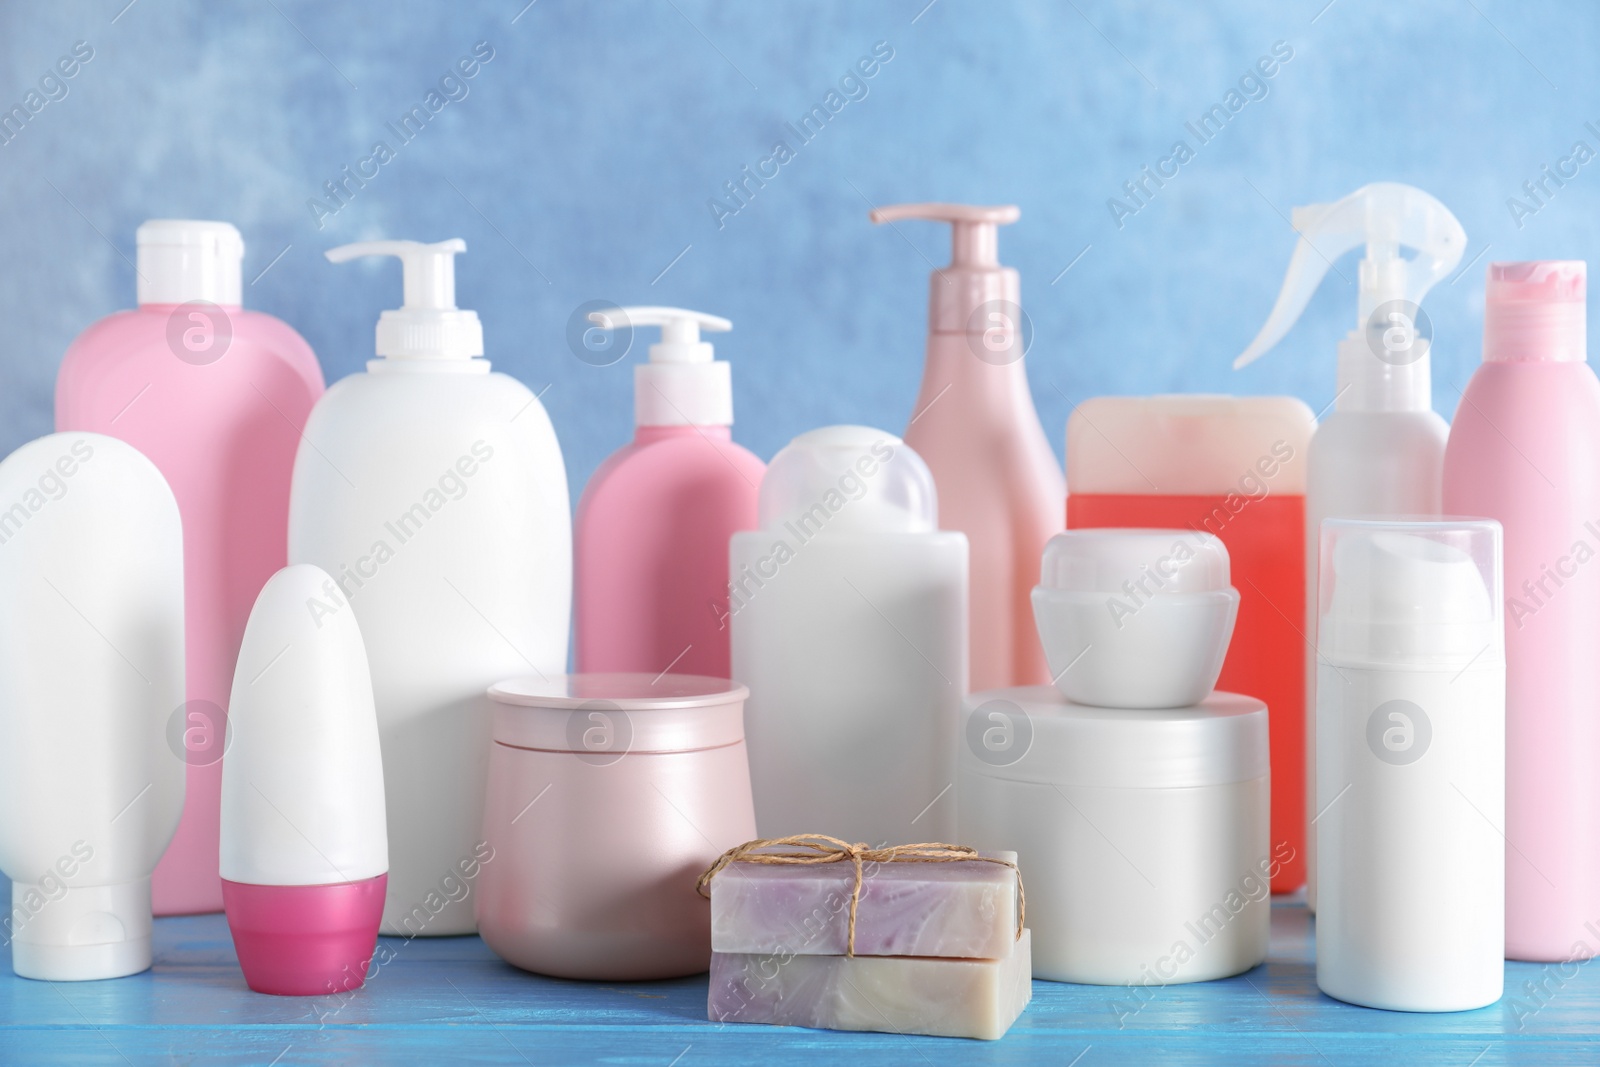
{"x": 433, "y": 492}
{"x": 1380, "y": 453}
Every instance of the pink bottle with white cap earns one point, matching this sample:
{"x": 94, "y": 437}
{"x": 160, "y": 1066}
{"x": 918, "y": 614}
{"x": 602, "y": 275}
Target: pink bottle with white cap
{"x": 216, "y": 397}
{"x": 305, "y": 856}
{"x": 976, "y": 427}
{"x": 1525, "y": 449}
{"x": 650, "y": 543}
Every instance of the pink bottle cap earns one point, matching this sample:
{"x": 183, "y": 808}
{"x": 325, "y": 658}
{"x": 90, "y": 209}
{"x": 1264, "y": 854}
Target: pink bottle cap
{"x": 1534, "y": 312}
{"x": 305, "y": 940}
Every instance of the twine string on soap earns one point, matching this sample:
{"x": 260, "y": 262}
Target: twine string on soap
{"x": 816, "y": 849}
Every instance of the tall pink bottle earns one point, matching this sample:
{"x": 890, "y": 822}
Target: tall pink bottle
{"x": 652, "y": 531}
{"x": 976, "y": 427}
{"x": 1525, "y": 449}
{"x": 216, "y": 397}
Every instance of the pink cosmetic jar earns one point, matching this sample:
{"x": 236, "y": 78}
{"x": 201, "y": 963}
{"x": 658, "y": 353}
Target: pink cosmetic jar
{"x": 608, "y": 795}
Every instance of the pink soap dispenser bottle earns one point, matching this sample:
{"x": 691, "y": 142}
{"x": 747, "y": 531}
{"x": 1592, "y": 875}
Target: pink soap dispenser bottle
{"x": 976, "y": 427}
{"x": 652, "y": 531}
{"x": 1525, "y": 449}
{"x": 216, "y": 397}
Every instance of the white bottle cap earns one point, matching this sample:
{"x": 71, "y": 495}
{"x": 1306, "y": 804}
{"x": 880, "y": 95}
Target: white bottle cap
{"x": 848, "y": 480}
{"x": 180, "y": 260}
{"x": 1416, "y": 593}
{"x": 89, "y": 933}
{"x": 428, "y": 325}
{"x": 682, "y": 385}
{"x": 302, "y": 783}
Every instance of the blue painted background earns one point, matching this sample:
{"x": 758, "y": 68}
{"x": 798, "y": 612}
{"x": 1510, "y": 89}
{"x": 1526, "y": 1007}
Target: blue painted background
{"x": 580, "y": 163}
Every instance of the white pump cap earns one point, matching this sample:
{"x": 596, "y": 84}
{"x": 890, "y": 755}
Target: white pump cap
{"x": 682, "y": 385}
{"x": 429, "y": 325}
{"x": 180, "y": 260}
{"x": 1383, "y": 363}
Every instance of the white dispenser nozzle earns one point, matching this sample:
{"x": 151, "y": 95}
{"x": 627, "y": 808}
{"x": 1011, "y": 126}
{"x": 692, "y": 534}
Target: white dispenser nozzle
{"x": 428, "y": 325}
{"x": 1383, "y": 363}
{"x": 682, "y": 385}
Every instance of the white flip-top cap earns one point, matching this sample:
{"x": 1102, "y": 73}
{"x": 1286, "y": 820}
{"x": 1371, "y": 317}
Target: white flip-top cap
{"x": 302, "y": 782}
{"x": 428, "y": 325}
{"x": 683, "y": 384}
{"x": 180, "y": 260}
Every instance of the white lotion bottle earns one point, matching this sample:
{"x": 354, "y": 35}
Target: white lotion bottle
{"x": 433, "y": 492}
{"x": 91, "y": 701}
{"x": 849, "y": 615}
{"x": 1411, "y": 764}
{"x": 304, "y": 851}
{"x": 1380, "y": 452}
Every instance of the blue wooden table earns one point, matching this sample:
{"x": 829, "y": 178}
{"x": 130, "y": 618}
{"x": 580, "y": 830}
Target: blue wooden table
{"x": 450, "y": 1000}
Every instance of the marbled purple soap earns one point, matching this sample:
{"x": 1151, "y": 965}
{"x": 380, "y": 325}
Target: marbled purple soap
{"x": 963, "y": 909}
{"x": 894, "y": 994}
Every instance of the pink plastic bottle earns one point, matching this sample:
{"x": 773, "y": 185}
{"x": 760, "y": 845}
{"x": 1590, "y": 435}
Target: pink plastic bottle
{"x": 1525, "y": 449}
{"x": 216, "y": 397}
{"x": 976, "y": 427}
{"x": 651, "y": 543}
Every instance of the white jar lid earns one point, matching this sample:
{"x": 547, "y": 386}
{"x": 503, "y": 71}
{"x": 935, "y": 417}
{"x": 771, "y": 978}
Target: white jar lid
{"x": 1034, "y": 734}
{"x": 1107, "y": 560}
{"x": 616, "y": 713}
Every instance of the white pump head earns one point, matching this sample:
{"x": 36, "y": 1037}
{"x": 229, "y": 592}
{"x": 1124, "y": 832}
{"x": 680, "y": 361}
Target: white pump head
{"x": 429, "y": 325}
{"x": 682, "y": 385}
{"x": 1383, "y": 363}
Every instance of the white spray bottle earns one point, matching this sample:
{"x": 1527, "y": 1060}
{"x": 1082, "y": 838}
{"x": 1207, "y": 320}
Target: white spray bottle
{"x": 1380, "y": 453}
{"x": 433, "y": 493}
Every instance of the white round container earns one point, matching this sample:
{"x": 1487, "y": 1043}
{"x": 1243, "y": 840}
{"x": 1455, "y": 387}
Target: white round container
{"x": 1141, "y": 835}
{"x": 1135, "y": 618}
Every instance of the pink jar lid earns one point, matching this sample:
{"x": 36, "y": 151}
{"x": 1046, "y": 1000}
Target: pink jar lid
{"x": 612, "y": 714}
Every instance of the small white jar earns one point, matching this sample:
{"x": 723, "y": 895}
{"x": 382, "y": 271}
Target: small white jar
{"x": 1135, "y": 618}
{"x": 1141, "y": 834}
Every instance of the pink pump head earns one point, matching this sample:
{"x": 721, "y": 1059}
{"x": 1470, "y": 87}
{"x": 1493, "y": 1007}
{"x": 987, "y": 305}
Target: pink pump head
{"x": 974, "y": 277}
{"x": 1534, "y": 312}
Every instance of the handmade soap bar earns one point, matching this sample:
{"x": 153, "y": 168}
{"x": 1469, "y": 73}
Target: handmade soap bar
{"x": 962, "y": 908}
{"x": 893, "y": 994}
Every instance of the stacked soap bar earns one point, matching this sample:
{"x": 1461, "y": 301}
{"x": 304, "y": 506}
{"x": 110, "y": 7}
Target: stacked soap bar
{"x": 936, "y": 947}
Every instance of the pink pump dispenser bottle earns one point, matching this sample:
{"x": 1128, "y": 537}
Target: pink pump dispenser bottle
{"x": 1525, "y": 449}
{"x": 651, "y": 539}
{"x": 216, "y": 397}
{"x": 976, "y": 427}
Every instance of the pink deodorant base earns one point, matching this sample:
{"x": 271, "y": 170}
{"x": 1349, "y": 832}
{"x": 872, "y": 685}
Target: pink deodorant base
{"x": 305, "y": 940}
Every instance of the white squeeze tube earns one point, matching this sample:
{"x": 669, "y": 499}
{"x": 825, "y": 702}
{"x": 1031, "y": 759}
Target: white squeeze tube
{"x": 1381, "y": 451}
{"x": 91, "y": 701}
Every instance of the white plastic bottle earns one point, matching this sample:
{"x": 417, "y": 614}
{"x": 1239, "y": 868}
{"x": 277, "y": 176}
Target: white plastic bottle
{"x": 1380, "y": 452}
{"x": 1411, "y": 764}
{"x": 304, "y": 852}
{"x": 849, "y": 614}
{"x": 91, "y": 701}
{"x": 433, "y": 492}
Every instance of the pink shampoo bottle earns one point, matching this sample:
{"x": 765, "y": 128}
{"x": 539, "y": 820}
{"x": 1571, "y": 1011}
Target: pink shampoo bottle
{"x": 653, "y": 526}
{"x": 216, "y": 397}
{"x": 1525, "y": 449}
{"x": 976, "y": 427}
